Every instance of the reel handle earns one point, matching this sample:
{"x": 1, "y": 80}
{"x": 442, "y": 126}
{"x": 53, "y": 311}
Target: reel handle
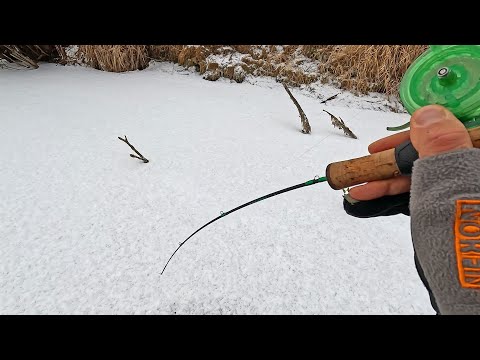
{"x": 380, "y": 166}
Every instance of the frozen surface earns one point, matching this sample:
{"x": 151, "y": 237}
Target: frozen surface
{"x": 85, "y": 229}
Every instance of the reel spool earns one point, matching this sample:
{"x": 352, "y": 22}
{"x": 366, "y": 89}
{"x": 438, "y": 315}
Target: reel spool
{"x": 447, "y": 75}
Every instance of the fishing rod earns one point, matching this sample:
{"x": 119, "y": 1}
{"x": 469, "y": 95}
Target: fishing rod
{"x": 315, "y": 180}
{"x": 446, "y": 75}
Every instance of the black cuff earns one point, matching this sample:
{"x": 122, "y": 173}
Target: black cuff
{"x": 384, "y": 206}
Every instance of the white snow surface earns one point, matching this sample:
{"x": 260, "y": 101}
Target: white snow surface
{"x": 86, "y": 229}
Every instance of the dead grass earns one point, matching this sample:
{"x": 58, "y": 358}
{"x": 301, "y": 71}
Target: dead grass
{"x": 28, "y": 56}
{"x": 365, "y": 68}
{"x": 165, "y": 52}
{"x": 114, "y": 58}
{"x": 358, "y": 68}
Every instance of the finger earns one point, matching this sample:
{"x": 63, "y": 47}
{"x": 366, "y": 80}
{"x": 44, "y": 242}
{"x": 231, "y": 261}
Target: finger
{"x": 377, "y": 189}
{"x": 435, "y": 130}
{"x": 389, "y": 142}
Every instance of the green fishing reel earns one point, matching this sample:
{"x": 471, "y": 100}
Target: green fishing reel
{"x": 447, "y": 75}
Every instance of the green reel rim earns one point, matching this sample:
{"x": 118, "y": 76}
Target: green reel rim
{"x": 447, "y": 75}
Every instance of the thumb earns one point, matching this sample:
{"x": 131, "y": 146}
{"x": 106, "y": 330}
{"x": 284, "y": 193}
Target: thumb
{"x": 435, "y": 130}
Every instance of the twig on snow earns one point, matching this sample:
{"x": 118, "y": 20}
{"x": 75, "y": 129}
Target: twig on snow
{"x": 339, "y": 123}
{"x": 141, "y": 157}
{"x": 305, "y": 124}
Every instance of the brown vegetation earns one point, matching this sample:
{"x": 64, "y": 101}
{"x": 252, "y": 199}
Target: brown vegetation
{"x": 359, "y": 68}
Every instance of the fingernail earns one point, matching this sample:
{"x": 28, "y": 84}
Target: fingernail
{"x": 429, "y": 116}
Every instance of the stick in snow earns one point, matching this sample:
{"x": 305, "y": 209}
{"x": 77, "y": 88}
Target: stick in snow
{"x": 330, "y": 98}
{"x": 141, "y": 157}
{"x": 305, "y": 124}
{"x": 338, "y": 123}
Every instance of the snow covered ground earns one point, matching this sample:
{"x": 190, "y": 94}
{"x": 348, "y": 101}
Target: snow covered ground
{"x": 85, "y": 229}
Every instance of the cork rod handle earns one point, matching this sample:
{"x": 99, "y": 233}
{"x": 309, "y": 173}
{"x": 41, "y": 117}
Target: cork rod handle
{"x": 378, "y": 166}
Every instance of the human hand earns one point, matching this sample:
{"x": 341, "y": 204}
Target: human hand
{"x": 433, "y": 130}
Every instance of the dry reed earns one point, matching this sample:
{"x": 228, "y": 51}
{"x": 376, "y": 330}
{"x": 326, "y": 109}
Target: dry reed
{"x": 114, "y": 58}
{"x": 359, "y": 68}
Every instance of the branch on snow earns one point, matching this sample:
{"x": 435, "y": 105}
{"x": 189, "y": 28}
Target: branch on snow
{"x": 140, "y": 156}
{"x": 305, "y": 124}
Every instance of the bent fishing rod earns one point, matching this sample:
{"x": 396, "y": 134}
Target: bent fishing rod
{"x": 446, "y": 75}
{"x": 343, "y": 174}
{"x": 316, "y": 180}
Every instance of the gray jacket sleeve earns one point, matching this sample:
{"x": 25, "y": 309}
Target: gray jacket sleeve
{"x": 445, "y": 225}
